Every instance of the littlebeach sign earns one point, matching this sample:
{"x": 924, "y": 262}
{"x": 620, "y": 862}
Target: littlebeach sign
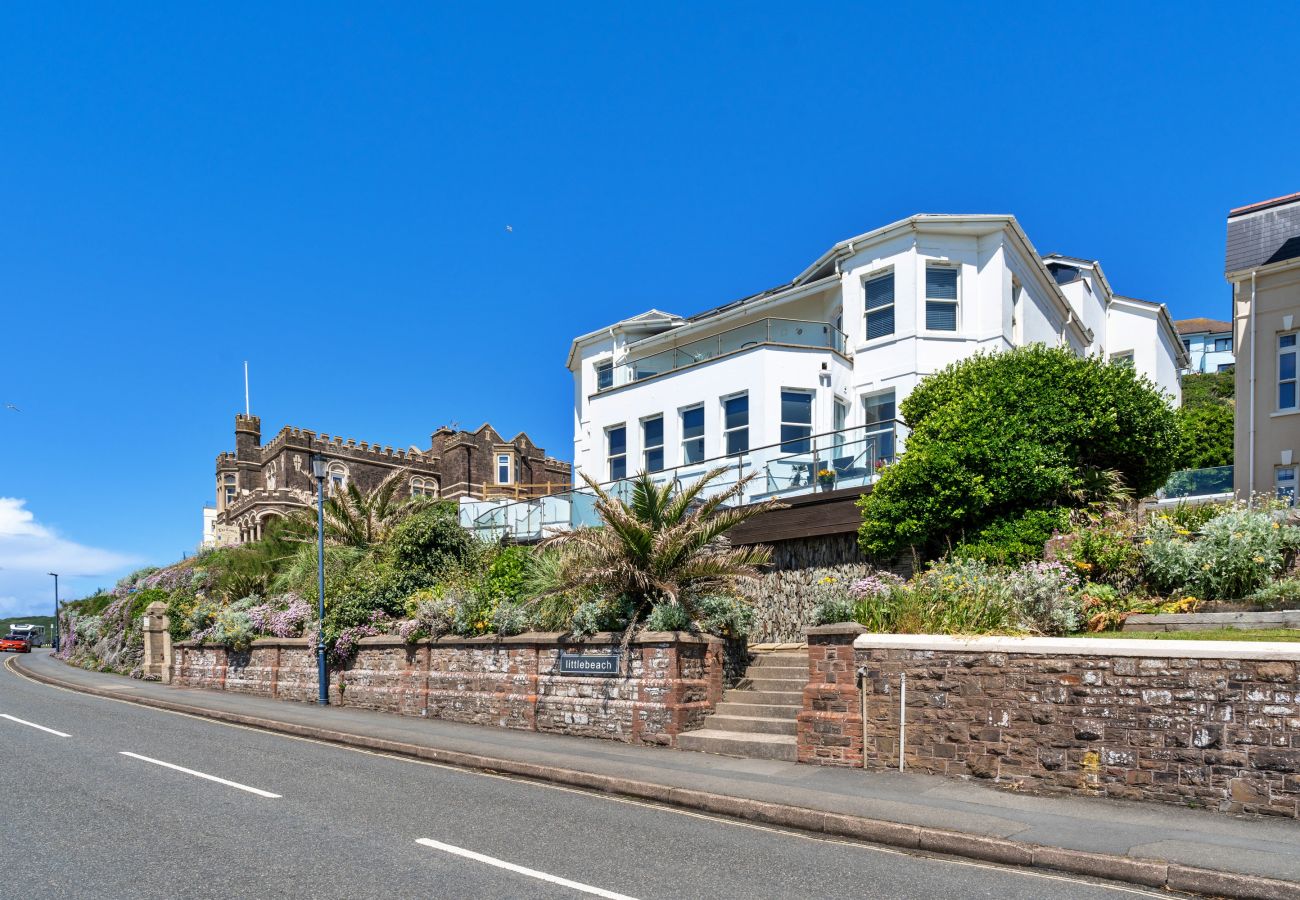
{"x": 603, "y": 664}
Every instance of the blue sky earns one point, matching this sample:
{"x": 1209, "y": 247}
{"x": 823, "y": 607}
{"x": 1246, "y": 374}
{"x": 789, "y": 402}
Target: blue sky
{"x": 324, "y": 191}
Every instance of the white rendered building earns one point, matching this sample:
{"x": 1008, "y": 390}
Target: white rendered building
{"x": 800, "y": 385}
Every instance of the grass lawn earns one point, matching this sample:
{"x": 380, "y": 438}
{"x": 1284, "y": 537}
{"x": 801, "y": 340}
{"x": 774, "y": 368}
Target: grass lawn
{"x": 1216, "y": 634}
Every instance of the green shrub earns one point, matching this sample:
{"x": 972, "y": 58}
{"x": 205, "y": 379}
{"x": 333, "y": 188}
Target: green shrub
{"x": 1206, "y": 436}
{"x": 1107, "y": 553}
{"x": 1281, "y": 594}
{"x": 430, "y": 543}
{"x": 1046, "y": 597}
{"x": 1028, "y": 429}
{"x": 506, "y": 576}
{"x": 1014, "y": 540}
{"x": 1235, "y": 554}
{"x": 668, "y": 617}
{"x": 833, "y": 610}
{"x": 727, "y": 617}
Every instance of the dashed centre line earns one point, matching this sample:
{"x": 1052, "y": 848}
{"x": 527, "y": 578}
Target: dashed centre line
{"x": 33, "y": 725}
{"x": 522, "y": 870}
{"x": 234, "y": 784}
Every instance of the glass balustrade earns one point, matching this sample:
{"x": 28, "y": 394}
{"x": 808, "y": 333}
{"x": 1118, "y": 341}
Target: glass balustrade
{"x": 852, "y": 458}
{"x": 1197, "y": 483}
{"x": 790, "y": 332}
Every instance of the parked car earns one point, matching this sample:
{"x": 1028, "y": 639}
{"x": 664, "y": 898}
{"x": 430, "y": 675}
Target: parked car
{"x": 15, "y": 643}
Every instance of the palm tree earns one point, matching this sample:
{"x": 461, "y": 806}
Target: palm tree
{"x": 359, "y": 519}
{"x": 664, "y": 545}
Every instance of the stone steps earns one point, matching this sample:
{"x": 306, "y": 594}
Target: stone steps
{"x": 752, "y": 724}
{"x": 728, "y": 743}
{"x": 774, "y": 685}
{"x": 758, "y": 718}
{"x": 755, "y": 710}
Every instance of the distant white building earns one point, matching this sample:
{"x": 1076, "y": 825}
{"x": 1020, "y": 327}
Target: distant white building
{"x": 801, "y": 384}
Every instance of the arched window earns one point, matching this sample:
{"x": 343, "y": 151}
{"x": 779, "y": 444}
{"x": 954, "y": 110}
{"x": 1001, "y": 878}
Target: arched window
{"x": 423, "y": 487}
{"x": 336, "y": 477}
{"x": 228, "y": 486}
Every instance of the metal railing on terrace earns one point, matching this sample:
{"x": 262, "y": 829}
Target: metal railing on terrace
{"x": 781, "y": 332}
{"x": 834, "y": 460}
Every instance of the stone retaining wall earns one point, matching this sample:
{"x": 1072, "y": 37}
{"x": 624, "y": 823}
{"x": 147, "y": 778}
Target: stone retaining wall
{"x": 672, "y": 681}
{"x": 1203, "y": 723}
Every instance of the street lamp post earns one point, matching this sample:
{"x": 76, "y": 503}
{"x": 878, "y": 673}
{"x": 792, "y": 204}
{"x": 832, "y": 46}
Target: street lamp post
{"x": 318, "y": 471}
{"x": 55, "y": 642}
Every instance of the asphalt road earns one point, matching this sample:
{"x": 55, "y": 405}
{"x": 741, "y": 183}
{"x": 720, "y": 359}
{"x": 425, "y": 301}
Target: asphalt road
{"x": 296, "y": 818}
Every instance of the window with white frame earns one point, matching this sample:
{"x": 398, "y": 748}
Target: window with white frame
{"x": 735, "y": 424}
{"x": 693, "y": 434}
{"x": 1122, "y": 358}
{"x": 652, "y": 443}
{"x": 604, "y": 375}
{"x": 1286, "y": 372}
{"x": 1017, "y": 313}
{"x": 796, "y": 420}
{"x": 230, "y": 490}
{"x": 616, "y": 452}
{"x": 423, "y": 487}
{"x": 839, "y": 423}
{"x": 878, "y": 425}
{"x": 1284, "y": 482}
{"x": 880, "y": 305}
{"x": 336, "y": 477}
{"x": 1223, "y": 345}
{"x": 940, "y": 298}
{"x": 505, "y": 468}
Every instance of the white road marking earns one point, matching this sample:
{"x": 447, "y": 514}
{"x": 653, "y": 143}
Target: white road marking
{"x": 517, "y": 779}
{"x": 233, "y": 784}
{"x": 522, "y": 870}
{"x": 32, "y": 724}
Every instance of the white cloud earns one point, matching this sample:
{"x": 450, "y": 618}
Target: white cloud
{"x": 29, "y": 551}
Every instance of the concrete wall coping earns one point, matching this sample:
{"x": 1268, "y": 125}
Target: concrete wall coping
{"x": 601, "y": 639}
{"x": 1047, "y": 646}
{"x": 837, "y": 628}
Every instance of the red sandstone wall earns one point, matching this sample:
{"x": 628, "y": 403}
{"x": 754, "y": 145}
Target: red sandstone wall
{"x": 674, "y": 681}
{"x": 1218, "y": 733}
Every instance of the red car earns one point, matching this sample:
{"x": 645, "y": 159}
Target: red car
{"x": 15, "y": 643}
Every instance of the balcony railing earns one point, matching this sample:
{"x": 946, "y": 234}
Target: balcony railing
{"x": 1197, "y": 483}
{"x": 849, "y": 458}
{"x": 779, "y": 332}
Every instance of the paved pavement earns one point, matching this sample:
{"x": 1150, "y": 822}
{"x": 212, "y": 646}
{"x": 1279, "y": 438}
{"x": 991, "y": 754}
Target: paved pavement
{"x": 347, "y": 823}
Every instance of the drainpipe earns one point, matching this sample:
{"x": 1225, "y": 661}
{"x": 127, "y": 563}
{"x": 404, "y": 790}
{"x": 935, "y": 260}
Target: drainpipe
{"x": 1254, "y": 365}
{"x": 862, "y": 709}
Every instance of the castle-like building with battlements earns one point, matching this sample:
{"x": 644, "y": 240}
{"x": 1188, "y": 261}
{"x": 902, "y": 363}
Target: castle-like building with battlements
{"x": 262, "y": 481}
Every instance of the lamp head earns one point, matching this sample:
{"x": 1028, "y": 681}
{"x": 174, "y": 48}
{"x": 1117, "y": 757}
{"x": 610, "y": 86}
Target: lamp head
{"x": 318, "y": 466}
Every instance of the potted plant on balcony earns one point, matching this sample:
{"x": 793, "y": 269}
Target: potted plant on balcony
{"x": 826, "y": 478}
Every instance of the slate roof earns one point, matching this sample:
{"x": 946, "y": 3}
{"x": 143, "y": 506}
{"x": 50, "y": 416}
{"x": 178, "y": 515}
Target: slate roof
{"x": 1263, "y": 233}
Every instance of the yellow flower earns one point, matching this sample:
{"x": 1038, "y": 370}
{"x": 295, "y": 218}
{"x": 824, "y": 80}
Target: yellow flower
{"x": 1147, "y": 542}
{"x": 1206, "y": 567}
{"x": 1259, "y": 559}
{"x": 1182, "y": 531}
